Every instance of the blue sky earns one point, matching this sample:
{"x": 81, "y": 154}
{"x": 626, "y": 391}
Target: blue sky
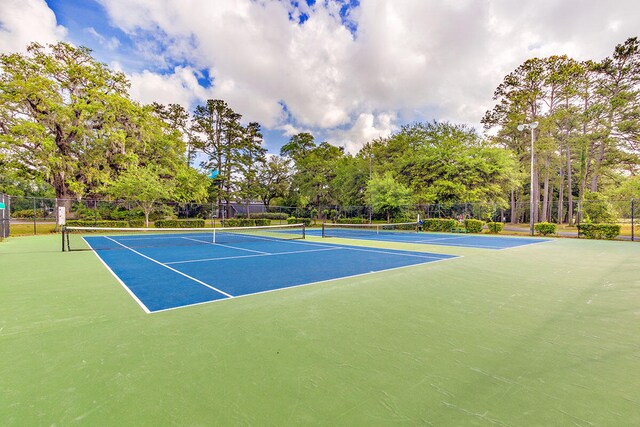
{"x": 347, "y": 71}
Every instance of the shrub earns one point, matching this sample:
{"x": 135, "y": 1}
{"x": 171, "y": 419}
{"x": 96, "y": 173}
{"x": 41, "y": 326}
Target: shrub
{"x": 180, "y": 223}
{"x": 246, "y": 222}
{"x": 545, "y": 228}
{"x": 473, "y": 225}
{"x": 438, "y": 224}
{"x": 98, "y": 223}
{"x": 598, "y": 231}
{"x": 610, "y": 231}
{"x": 270, "y": 215}
{"x": 596, "y": 208}
{"x": 28, "y": 213}
{"x": 352, "y": 221}
{"x": 136, "y": 223}
{"x": 294, "y": 220}
{"x": 495, "y": 227}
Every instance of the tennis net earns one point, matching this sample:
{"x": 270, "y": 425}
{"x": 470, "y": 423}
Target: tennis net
{"x": 102, "y": 238}
{"x": 363, "y": 230}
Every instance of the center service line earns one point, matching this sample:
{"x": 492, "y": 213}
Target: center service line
{"x": 172, "y": 269}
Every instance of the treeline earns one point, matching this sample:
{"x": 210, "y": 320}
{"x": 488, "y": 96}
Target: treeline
{"x": 588, "y": 139}
{"x": 68, "y": 126}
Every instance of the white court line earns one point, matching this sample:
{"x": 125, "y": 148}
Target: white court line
{"x": 353, "y": 248}
{"x": 300, "y": 242}
{"x": 172, "y": 269}
{"x": 325, "y": 246}
{"x": 251, "y": 256}
{"x": 126, "y": 288}
{"x": 462, "y": 245}
{"x": 124, "y": 237}
{"x": 527, "y": 244}
{"x": 443, "y": 238}
{"x": 226, "y": 246}
{"x": 308, "y": 284}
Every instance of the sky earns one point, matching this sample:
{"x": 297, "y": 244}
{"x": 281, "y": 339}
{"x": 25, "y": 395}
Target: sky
{"x": 347, "y": 71}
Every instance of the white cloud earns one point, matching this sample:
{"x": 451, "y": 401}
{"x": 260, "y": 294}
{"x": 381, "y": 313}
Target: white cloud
{"x": 26, "y": 21}
{"x": 367, "y": 127}
{"x": 179, "y": 87}
{"x": 413, "y": 59}
{"x": 111, "y": 43}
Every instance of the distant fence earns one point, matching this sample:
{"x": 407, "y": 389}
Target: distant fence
{"x": 36, "y": 212}
{"x": 5, "y": 225}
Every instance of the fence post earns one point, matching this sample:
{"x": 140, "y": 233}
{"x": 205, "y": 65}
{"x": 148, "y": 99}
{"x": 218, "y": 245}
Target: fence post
{"x": 34, "y": 217}
{"x": 632, "y": 222}
{"x": 56, "y": 215}
{"x": 578, "y": 218}
{"x": 4, "y": 217}
{"x": 8, "y": 215}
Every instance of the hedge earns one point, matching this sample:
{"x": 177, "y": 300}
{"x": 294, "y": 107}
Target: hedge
{"x": 545, "y": 228}
{"x": 438, "y": 224}
{"x": 247, "y": 222}
{"x": 265, "y": 215}
{"x": 136, "y": 223}
{"x": 294, "y": 220}
{"x": 98, "y": 223}
{"x": 352, "y": 221}
{"x": 599, "y": 231}
{"x": 180, "y": 223}
{"x": 495, "y": 227}
{"x": 28, "y": 213}
{"x": 473, "y": 225}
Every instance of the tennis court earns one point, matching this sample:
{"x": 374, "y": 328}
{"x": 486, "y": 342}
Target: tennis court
{"x": 537, "y": 335}
{"x": 406, "y": 233}
{"x": 169, "y": 269}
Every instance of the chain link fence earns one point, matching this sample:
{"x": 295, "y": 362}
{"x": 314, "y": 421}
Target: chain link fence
{"x": 5, "y": 225}
{"x": 35, "y": 215}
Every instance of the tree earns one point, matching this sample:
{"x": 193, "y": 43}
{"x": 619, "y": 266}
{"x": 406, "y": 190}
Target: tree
{"x": 443, "y": 163}
{"x": 221, "y": 138}
{"x": 273, "y": 178}
{"x": 250, "y": 159}
{"x": 143, "y": 185}
{"x": 589, "y": 115}
{"x": 387, "y": 195}
{"x": 190, "y": 186}
{"x": 177, "y": 119}
{"x": 64, "y": 117}
{"x": 314, "y": 167}
{"x": 350, "y": 181}
{"x": 298, "y": 145}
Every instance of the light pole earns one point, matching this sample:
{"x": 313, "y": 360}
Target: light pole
{"x": 370, "y": 202}
{"x": 522, "y": 127}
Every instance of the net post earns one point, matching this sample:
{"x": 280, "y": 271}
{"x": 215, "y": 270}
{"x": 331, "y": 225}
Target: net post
{"x": 63, "y": 233}
{"x": 323, "y": 232}
{"x": 214, "y": 236}
{"x": 303, "y": 230}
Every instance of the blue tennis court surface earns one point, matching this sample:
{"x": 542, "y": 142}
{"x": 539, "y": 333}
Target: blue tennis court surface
{"x": 441, "y": 239}
{"x": 165, "y": 277}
